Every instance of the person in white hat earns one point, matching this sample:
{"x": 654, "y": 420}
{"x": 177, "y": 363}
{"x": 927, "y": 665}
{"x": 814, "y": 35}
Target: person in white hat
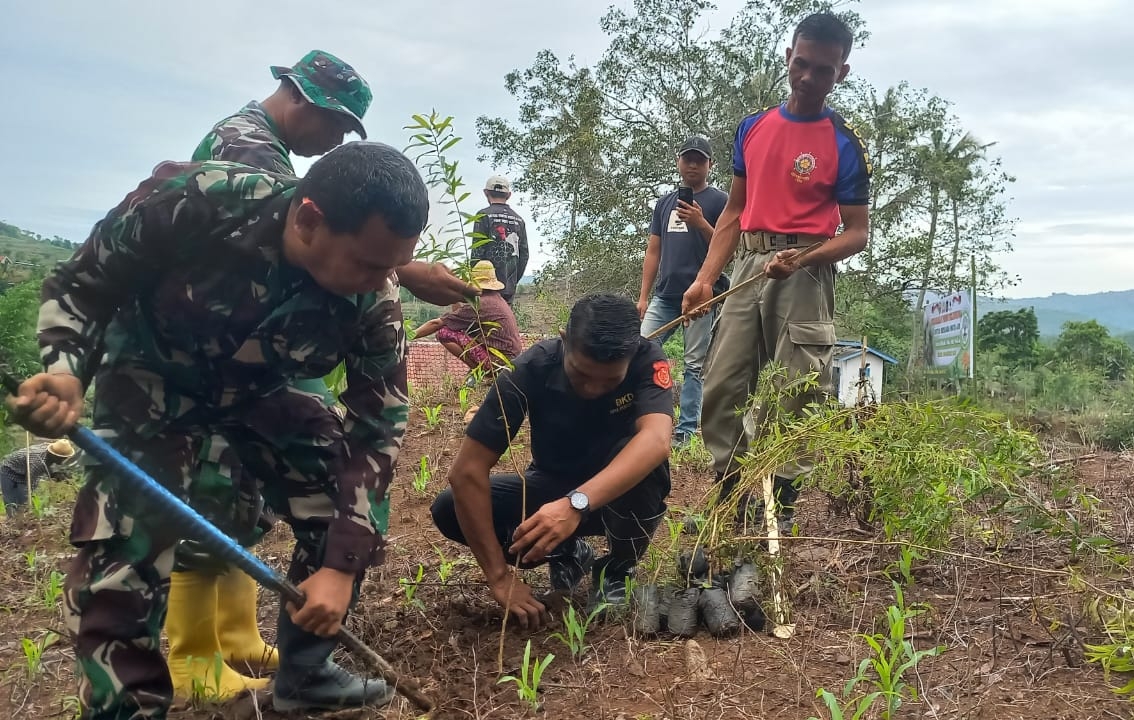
{"x": 24, "y": 468}
{"x": 507, "y": 234}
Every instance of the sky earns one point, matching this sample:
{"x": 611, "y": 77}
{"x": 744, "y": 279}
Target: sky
{"x": 96, "y": 94}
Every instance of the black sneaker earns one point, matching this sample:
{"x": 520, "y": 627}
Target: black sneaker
{"x": 570, "y": 564}
{"x": 680, "y": 441}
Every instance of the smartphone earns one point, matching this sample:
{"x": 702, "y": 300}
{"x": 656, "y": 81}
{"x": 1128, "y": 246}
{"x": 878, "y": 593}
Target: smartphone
{"x": 685, "y": 195}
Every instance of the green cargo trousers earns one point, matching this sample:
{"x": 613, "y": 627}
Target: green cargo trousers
{"x": 789, "y": 322}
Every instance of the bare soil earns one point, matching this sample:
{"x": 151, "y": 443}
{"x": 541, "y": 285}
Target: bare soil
{"x": 1011, "y": 625}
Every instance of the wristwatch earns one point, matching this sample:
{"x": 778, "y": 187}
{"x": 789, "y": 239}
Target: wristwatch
{"x": 580, "y": 502}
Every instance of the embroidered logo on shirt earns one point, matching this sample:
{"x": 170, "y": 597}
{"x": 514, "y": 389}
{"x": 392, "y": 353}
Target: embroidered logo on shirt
{"x": 661, "y": 375}
{"x": 803, "y": 167}
{"x": 622, "y": 403}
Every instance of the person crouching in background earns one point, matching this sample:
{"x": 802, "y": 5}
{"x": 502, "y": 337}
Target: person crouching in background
{"x": 471, "y": 334}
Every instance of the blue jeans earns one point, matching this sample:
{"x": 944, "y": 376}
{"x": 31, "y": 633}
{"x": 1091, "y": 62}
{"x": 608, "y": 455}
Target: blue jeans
{"x": 661, "y": 311}
{"x": 15, "y": 489}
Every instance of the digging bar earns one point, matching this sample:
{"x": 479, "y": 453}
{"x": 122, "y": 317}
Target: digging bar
{"x": 221, "y": 546}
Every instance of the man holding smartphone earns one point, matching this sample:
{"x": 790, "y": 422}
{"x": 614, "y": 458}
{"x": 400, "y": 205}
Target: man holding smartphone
{"x": 679, "y": 242}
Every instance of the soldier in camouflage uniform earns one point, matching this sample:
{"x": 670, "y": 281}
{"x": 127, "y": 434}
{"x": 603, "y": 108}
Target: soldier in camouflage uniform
{"x": 318, "y": 101}
{"x": 195, "y": 304}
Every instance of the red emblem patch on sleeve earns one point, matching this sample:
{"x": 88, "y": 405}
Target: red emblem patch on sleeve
{"x": 662, "y": 377}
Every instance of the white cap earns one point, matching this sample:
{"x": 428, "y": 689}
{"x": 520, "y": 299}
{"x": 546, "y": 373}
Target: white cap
{"x": 498, "y": 183}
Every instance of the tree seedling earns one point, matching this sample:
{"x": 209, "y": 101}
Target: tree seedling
{"x": 422, "y": 475}
{"x": 409, "y": 587}
{"x": 892, "y": 657}
{"x": 432, "y": 416}
{"x": 38, "y": 506}
{"x": 52, "y": 590}
{"x": 33, "y": 653}
{"x": 205, "y": 689}
{"x": 576, "y": 628}
{"x": 1117, "y": 655}
{"x": 527, "y": 685}
{"x": 444, "y": 566}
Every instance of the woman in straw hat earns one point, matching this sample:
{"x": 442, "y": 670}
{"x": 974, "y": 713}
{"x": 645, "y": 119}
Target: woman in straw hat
{"x": 482, "y": 336}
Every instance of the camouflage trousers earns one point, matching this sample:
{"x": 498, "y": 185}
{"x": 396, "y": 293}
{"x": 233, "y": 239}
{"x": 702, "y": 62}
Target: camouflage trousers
{"x": 117, "y": 587}
{"x": 240, "y": 510}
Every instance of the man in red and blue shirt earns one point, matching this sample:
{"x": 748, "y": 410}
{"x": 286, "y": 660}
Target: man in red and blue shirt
{"x": 799, "y": 172}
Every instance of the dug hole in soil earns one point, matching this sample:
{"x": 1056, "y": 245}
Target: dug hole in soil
{"x": 1009, "y": 633}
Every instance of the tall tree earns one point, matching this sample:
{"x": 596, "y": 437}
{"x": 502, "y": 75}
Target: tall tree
{"x": 948, "y": 166}
{"x": 1013, "y": 334}
{"x": 1089, "y": 345}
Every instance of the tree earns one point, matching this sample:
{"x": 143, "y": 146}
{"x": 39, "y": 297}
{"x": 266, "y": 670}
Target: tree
{"x": 1014, "y": 335}
{"x": 1089, "y": 345}
{"x": 949, "y": 166}
{"x": 594, "y": 147}
{"x": 19, "y": 307}
{"x": 571, "y": 166}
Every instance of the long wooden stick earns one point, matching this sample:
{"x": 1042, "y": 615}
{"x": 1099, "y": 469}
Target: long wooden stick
{"x": 27, "y": 461}
{"x": 782, "y": 626}
{"x": 718, "y": 298}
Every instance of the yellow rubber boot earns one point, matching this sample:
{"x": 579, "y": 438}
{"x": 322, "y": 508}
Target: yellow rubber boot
{"x": 237, "y": 630}
{"x": 195, "y": 664}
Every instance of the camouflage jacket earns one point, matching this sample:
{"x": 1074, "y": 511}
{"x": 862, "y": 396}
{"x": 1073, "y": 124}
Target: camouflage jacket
{"x": 249, "y": 137}
{"x": 183, "y": 295}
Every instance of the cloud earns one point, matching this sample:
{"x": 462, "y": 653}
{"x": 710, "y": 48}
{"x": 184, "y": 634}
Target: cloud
{"x": 1091, "y": 229}
{"x": 1051, "y": 88}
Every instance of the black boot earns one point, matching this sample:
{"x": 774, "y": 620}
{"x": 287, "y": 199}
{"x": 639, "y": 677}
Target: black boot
{"x": 727, "y": 485}
{"x": 608, "y": 584}
{"x": 750, "y": 510}
{"x": 309, "y": 680}
{"x": 786, "y": 492}
{"x": 569, "y": 563}
{"x": 748, "y": 513}
{"x": 628, "y": 533}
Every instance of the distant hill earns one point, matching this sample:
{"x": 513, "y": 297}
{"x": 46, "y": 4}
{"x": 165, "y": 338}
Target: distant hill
{"x": 26, "y": 249}
{"x": 1111, "y": 309}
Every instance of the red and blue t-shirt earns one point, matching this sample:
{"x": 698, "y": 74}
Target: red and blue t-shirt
{"x": 799, "y": 171}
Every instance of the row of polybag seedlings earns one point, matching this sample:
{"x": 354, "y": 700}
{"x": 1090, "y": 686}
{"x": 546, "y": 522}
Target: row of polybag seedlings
{"x": 721, "y": 603}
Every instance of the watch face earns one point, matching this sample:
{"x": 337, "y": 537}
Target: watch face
{"x": 579, "y": 501}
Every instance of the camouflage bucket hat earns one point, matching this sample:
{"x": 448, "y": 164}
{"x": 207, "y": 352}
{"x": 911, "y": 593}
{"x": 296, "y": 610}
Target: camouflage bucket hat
{"x": 329, "y": 83}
